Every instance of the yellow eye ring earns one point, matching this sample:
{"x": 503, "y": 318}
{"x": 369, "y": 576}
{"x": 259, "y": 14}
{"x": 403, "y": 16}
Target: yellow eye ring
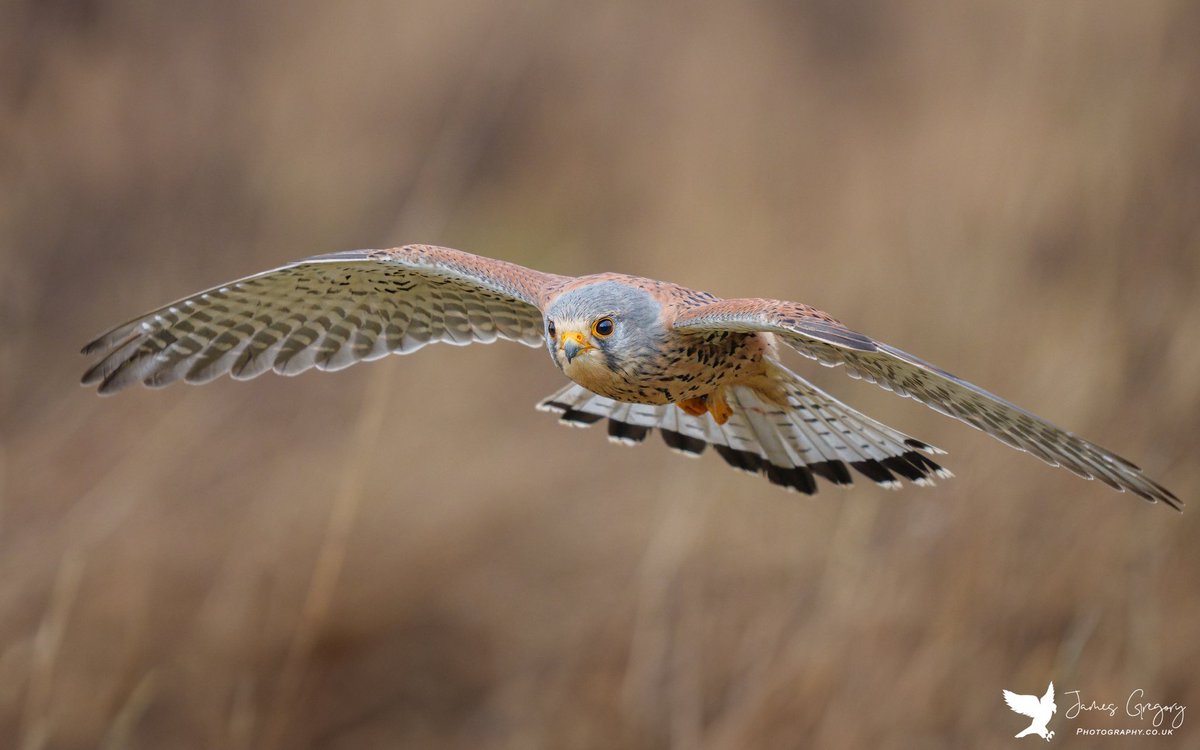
{"x": 603, "y": 328}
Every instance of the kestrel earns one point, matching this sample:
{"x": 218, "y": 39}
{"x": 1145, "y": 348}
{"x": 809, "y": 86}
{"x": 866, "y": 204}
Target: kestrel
{"x": 642, "y": 354}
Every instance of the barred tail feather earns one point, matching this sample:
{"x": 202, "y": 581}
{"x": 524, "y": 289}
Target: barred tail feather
{"x": 814, "y": 435}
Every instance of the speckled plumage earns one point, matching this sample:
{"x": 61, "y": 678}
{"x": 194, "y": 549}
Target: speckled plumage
{"x": 703, "y": 370}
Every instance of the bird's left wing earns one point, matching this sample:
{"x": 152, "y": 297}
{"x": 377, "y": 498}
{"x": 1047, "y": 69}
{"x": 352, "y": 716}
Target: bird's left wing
{"x": 329, "y": 312}
{"x": 1026, "y": 705}
{"x": 817, "y": 335}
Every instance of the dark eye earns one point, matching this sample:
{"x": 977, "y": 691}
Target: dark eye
{"x": 550, "y": 328}
{"x": 603, "y": 327}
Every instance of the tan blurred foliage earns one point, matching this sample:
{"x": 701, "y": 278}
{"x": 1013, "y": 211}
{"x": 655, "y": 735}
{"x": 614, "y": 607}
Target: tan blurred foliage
{"x": 407, "y": 555}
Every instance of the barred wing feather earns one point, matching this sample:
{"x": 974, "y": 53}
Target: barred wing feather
{"x": 817, "y": 335}
{"x": 328, "y": 312}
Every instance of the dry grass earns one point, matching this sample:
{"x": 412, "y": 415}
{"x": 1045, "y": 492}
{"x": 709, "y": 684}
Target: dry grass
{"x": 407, "y": 555}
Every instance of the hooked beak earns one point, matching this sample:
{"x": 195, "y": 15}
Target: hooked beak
{"x": 573, "y": 343}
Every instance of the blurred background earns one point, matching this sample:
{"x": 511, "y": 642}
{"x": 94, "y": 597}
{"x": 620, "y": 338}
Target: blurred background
{"x": 406, "y": 554}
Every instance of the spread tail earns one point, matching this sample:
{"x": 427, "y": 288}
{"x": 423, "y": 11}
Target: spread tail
{"x": 814, "y": 435}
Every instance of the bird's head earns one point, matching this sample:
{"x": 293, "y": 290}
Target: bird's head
{"x": 602, "y": 328}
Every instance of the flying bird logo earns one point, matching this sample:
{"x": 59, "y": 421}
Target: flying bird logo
{"x": 1038, "y": 709}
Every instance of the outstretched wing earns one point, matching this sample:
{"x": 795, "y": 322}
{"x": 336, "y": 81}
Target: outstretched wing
{"x": 1026, "y": 705}
{"x": 329, "y": 312}
{"x": 1048, "y": 698}
{"x": 817, "y": 335}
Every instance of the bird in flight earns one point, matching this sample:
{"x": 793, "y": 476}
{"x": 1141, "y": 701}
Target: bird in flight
{"x": 641, "y": 354}
{"x": 1038, "y": 709}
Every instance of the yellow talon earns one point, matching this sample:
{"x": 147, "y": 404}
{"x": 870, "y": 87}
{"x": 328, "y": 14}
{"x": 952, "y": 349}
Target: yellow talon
{"x": 694, "y": 406}
{"x": 714, "y": 405}
{"x": 720, "y": 410}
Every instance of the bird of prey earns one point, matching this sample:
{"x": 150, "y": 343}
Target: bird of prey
{"x": 641, "y": 354}
{"x": 1040, "y": 710}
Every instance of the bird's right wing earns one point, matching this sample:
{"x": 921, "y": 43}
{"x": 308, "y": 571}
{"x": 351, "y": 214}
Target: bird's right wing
{"x": 1026, "y": 705}
{"x": 1048, "y": 698}
{"x": 329, "y": 312}
{"x": 817, "y": 335}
